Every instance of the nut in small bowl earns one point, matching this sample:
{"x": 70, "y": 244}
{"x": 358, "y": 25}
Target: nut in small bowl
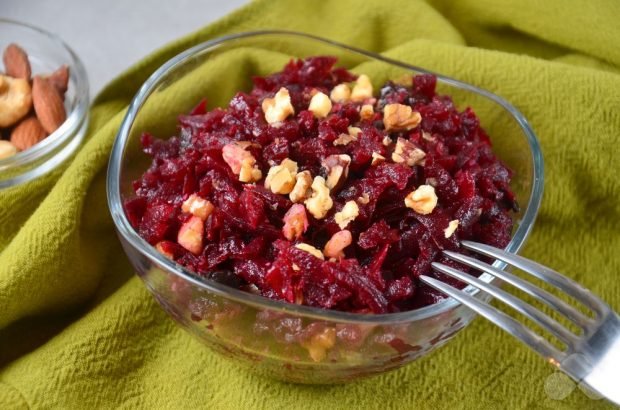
{"x": 43, "y": 102}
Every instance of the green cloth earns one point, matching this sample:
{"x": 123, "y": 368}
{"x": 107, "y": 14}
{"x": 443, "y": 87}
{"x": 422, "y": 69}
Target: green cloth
{"x": 79, "y": 330}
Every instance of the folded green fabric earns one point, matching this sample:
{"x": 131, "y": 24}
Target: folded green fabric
{"x": 78, "y": 330}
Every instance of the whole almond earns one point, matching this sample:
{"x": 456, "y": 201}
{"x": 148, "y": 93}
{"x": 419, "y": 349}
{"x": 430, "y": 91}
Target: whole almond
{"x": 16, "y": 63}
{"x": 47, "y": 104}
{"x": 27, "y": 133}
{"x": 60, "y": 79}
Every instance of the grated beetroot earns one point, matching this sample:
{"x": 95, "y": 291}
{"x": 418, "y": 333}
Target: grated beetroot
{"x": 242, "y": 241}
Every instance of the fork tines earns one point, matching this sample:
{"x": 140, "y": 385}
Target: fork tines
{"x": 512, "y": 326}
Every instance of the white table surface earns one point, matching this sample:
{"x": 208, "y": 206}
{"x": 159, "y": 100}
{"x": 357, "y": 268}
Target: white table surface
{"x": 111, "y": 35}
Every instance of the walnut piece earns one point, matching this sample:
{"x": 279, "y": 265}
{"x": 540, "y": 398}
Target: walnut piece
{"x": 377, "y": 159}
{"x": 364, "y": 199}
{"x": 281, "y": 178}
{"x": 300, "y": 191}
{"x": 278, "y": 108}
{"x": 406, "y": 152}
{"x": 362, "y": 89}
{"x": 160, "y": 248}
{"x": 197, "y": 206}
{"x": 295, "y": 222}
{"x": 399, "y": 117}
{"x": 249, "y": 171}
{"x": 427, "y": 136}
{"x": 340, "y": 93}
{"x": 349, "y": 212}
{"x": 367, "y": 112}
{"x": 337, "y": 168}
{"x": 345, "y": 139}
{"x": 335, "y": 246}
{"x": 451, "y": 228}
{"x": 423, "y": 200}
{"x": 311, "y": 250}
{"x": 234, "y": 154}
{"x": 320, "y": 202}
{"x": 191, "y": 234}
{"x": 320, "y": 105}
{"x": 318, "y": 344}
{"x": 386, "y": 141}
{"x": 354, "y": 131}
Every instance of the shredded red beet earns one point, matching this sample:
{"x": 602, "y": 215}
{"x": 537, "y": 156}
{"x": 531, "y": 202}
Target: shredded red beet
{"x": 204, "y": 203}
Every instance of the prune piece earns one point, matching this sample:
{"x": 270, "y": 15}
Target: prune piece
{"x": 227, "y": 278}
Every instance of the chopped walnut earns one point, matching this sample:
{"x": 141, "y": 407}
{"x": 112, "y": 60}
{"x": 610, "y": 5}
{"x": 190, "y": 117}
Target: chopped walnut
{"x": 190, "y": 235}
{"x": 386, "y": 141}
{"x": 295, "y": 222}
{"x": 197, "y": 206}
{"x": 318, "y": 344}
{"x": 278, "y": 108}
{"x": 281, "y": 178}
{"x": 234, "y": 154}
{"x": 300, "y": 191}
{"x": 377, "y": 159}
{"x": 320, "y": 105}
{"x": 337, "y": 167}
{"x": 399, "y": 117}
{"x": 349, "y": 212}
{"x": 367, "y": 112}
{"x": 249, "y": 171}
{"x": 344, "y": 139}
{"x": 451, "y": 228}
{"x": 354, "y": 131}
{"x": 320, "y": 202}
{"x": 311, "y": 250}
{"x": 364, "y": 199}
{"x": 336, "y": 244}
{"x": 362, "y": 89}
{"x": 406, "y": 152}
{"x": 427, "y": 136}
{"x": 340, "y": 93}
{"x": 160, "y": 248}
{"x": 423, "y": 200}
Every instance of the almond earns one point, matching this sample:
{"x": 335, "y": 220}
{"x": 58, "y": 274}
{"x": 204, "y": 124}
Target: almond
{"x": 16, "y": 63}
{"x": 27, "y": 133}
{"x": 48, "y": 104}
{"x": 60, "y": 79}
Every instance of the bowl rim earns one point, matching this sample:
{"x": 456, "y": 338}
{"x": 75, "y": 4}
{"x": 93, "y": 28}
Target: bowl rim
{"x": 75, "y": 120}
{"x": 130, "y": 236}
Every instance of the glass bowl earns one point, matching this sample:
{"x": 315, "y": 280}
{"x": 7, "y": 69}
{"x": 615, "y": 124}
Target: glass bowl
{"x": 293, "y": 342}
{"x": 46, "y": 53}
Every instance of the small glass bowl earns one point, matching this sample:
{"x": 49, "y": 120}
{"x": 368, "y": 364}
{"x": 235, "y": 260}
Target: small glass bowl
{"x": 292, "y": 342}
{"x": 46, "y": 53}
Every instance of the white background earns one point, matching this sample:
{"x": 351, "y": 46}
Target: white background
{"x": 111, "y": 35}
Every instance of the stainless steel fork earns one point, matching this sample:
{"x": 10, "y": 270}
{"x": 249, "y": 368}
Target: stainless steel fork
{"x": 591, "y": 358}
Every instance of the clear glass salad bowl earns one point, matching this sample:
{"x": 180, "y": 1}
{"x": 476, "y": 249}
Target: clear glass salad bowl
{"x": 293, "y": 342}
{"x": 46, "y": 53}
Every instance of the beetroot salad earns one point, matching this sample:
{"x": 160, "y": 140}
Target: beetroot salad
{"x": 317, "y": 189}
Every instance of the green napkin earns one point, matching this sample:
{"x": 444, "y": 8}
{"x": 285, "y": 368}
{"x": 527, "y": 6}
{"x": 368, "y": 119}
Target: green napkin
{"x": 78, "y": 330}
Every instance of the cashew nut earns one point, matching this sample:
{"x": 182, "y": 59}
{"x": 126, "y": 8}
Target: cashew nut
{"x": 15, "y": 100}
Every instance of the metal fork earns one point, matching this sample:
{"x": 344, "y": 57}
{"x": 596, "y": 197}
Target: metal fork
{"x": 591, "y": 358}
